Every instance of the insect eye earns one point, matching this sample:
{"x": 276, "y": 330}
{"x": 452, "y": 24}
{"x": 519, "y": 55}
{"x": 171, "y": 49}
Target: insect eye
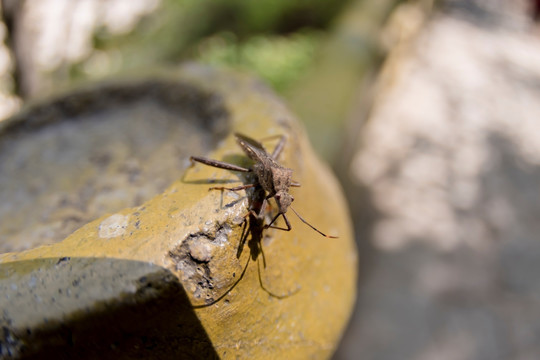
{"x": 277, "y": 196}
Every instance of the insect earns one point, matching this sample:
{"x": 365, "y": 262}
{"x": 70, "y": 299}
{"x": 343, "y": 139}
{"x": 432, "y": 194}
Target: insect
{"x": 273, "y": 178}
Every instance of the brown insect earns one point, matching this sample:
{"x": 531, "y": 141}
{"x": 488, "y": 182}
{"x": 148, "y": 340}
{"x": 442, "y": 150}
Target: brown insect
{"x": 274, "y": 179}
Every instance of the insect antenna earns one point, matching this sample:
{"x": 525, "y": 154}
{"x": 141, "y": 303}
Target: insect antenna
{"x": 311, "y": 226}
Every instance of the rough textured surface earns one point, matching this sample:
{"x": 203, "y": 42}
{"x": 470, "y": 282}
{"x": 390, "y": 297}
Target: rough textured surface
{"x": 65, "y": 308}
{"x": 447, "y": 174}
{"x": 133, "y": 154}
{"x": 196, "y": 235}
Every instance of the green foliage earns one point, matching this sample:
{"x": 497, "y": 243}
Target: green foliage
{"x": 275, "y": 39}
{"x": 248, "y": 18}
{"x": 277, "y": 59}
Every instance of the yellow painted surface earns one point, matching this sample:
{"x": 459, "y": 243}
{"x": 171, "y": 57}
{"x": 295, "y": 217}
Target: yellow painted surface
{"x": 247, "y": 322}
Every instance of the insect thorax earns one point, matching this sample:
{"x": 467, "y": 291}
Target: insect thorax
{"x": 274, "y": 178}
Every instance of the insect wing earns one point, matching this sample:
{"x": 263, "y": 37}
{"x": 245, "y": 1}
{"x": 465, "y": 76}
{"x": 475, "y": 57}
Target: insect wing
{"x": 253, "y": 148}
{"x": 247, "y": 139}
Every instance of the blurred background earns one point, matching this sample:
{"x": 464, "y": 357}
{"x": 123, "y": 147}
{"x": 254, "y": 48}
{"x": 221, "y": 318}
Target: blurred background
{"x": 428, "y": 111}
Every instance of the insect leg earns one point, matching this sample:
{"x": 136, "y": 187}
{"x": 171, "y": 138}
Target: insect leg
{"x": 218, "y": 164}
{"x": 237, "y": 188}
{"x": 279, "y": 147}
{"x": 289, "y": 227}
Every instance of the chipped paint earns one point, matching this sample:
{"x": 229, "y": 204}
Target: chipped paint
{"x": 113, "y": 226}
